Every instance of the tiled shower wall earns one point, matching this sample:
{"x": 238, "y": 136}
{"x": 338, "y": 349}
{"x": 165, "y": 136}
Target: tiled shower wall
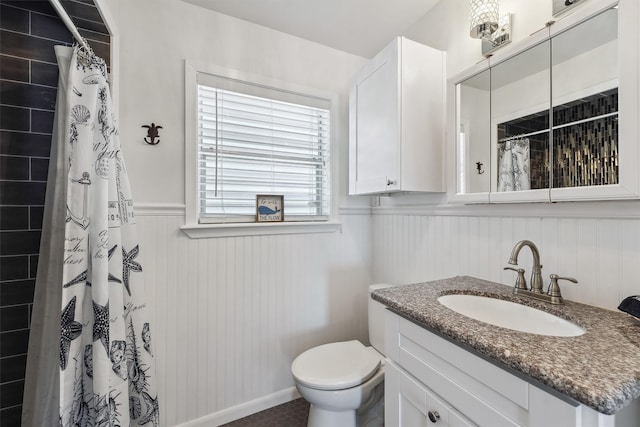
{"x": 585, "y": 142}
{"x": 28, "y": 84}
{"x": 586, "y": 150}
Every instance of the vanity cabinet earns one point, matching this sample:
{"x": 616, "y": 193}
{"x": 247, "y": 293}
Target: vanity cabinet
{"x": 396, "y": 121}
{"x": 427, "y": 374}
{"x": 554, "y": 117}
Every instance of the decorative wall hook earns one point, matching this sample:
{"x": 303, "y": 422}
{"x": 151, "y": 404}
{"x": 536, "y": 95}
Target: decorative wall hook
{"x": 152, "y": 132}
{"x": 479, "y": 168}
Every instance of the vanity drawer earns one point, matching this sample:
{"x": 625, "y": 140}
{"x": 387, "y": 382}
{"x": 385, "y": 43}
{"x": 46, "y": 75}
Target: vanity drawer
{"x": 459, "y": 365}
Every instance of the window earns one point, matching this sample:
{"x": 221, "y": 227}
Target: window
{"x": 254, "y": 140}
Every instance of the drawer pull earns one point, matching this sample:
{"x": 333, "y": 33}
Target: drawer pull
{"x": 433, "y": 416}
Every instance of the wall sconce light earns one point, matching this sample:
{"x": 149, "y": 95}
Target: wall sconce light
{"x": 488, "y": 25}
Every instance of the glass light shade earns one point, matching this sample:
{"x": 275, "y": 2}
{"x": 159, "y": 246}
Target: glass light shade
{"x": 484, "y": 16}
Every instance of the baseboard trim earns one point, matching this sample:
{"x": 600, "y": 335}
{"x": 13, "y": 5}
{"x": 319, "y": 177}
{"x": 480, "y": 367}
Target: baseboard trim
{"x": 244, "y": 409}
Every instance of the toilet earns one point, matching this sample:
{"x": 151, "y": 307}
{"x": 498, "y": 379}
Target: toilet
{"x": 344, "y": 381}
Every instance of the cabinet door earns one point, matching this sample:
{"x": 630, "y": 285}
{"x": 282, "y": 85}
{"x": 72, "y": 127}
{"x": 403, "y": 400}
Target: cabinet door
{"x": 441, "y": 414}
{"x": 590, "y": 161}
{"x": 374, "y": 116}
{"x": 409, "y": 403}
{"x": 472, "y": 135}
{"x": 520, "y": 126}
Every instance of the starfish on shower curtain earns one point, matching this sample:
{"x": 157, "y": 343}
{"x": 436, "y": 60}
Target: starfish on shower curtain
{"x": 111, "y": 277}
{"x": 129, "y": 265}
{"x": 82, "y": 277}
{"x": 69, "y": 331}
{"x": 101, "y": 324}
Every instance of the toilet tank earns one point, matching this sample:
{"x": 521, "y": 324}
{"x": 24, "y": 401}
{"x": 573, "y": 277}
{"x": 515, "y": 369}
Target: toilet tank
{"x": 376, "y": 319}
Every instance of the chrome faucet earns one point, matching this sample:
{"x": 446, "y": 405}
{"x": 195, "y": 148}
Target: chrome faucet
{"x": 536, "y": 274}
{"x": 553, "y": 294}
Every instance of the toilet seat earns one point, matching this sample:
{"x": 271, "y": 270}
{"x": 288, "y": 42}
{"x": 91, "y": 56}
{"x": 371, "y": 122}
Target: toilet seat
{"x": 336, "y": 366}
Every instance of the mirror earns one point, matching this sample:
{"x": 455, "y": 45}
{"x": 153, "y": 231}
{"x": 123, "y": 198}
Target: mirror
{"x": 473, "y": 134}
{"x": 520, "y": 119}
{"x": 543, "y": 119}
{"x": 585, "y": 103}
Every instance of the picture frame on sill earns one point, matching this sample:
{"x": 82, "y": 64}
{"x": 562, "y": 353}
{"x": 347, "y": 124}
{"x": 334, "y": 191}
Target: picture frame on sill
{"x": 269, "y": 208}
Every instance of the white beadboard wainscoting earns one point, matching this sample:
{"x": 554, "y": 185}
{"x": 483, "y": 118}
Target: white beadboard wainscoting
{"x": 602, "y": 252}
{"x": 232, "y": 313}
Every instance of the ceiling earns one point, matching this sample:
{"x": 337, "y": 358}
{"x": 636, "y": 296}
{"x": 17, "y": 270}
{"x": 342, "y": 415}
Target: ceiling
{"x": 360, "y": 27}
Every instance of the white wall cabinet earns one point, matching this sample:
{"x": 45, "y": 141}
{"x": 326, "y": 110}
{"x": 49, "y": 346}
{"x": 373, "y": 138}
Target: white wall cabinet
{"x": 425, "y": 374}
{"x": 396, "y": 114}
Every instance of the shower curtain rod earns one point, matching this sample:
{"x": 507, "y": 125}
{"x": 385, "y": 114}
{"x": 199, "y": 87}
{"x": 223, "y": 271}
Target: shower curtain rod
{"x": 575, "y": 122}
{"x": 69, "y": 23}
{"x": 523, "y": 135}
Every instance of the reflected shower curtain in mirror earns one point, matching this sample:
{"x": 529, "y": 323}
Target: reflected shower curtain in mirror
{"x": 513, "y": 165}
{"x": 91, "y": 357}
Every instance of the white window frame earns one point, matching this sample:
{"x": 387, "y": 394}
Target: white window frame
{"x": 192, "y": 227}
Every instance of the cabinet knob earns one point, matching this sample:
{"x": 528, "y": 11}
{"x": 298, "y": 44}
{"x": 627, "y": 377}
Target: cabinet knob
{"x": 390, "y": 181}
{"x": 433, "y": 416}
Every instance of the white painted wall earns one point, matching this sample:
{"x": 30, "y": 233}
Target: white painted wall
{"x": 158, "y": 35}
{"x": 446, "y": 27}
{"x": 232, "y": 313}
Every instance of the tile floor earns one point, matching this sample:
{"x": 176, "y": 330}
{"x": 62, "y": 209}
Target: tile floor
{"x": 291, "y": 414}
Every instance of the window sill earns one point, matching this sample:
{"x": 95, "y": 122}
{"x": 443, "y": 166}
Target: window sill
{"x": 202, "y": 231}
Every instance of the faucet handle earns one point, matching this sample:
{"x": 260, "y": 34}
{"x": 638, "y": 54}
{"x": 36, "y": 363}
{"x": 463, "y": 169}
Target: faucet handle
{"x": 554, "y": 289}
{"x": 521, "y": 282}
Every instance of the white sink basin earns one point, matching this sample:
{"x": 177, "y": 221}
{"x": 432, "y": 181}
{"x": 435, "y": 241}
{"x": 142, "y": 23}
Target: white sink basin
{"x": 511, "y": 315}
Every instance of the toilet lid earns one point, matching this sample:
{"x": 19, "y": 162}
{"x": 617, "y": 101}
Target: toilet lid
{"x": 335, "y": 366}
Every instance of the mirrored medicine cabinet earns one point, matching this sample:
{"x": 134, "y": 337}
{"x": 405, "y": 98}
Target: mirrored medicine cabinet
{"x": 555, "y": 117}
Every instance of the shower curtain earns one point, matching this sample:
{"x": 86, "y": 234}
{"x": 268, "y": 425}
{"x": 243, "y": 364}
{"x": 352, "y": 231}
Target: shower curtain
{"x": 90, "y": 359}
{"x": 513, "y": 165}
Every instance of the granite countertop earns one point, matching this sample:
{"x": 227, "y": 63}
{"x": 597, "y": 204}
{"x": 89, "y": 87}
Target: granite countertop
{"x": 600, "y": 368}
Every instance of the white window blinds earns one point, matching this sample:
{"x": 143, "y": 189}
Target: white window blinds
{"x": 258, "y": 140}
